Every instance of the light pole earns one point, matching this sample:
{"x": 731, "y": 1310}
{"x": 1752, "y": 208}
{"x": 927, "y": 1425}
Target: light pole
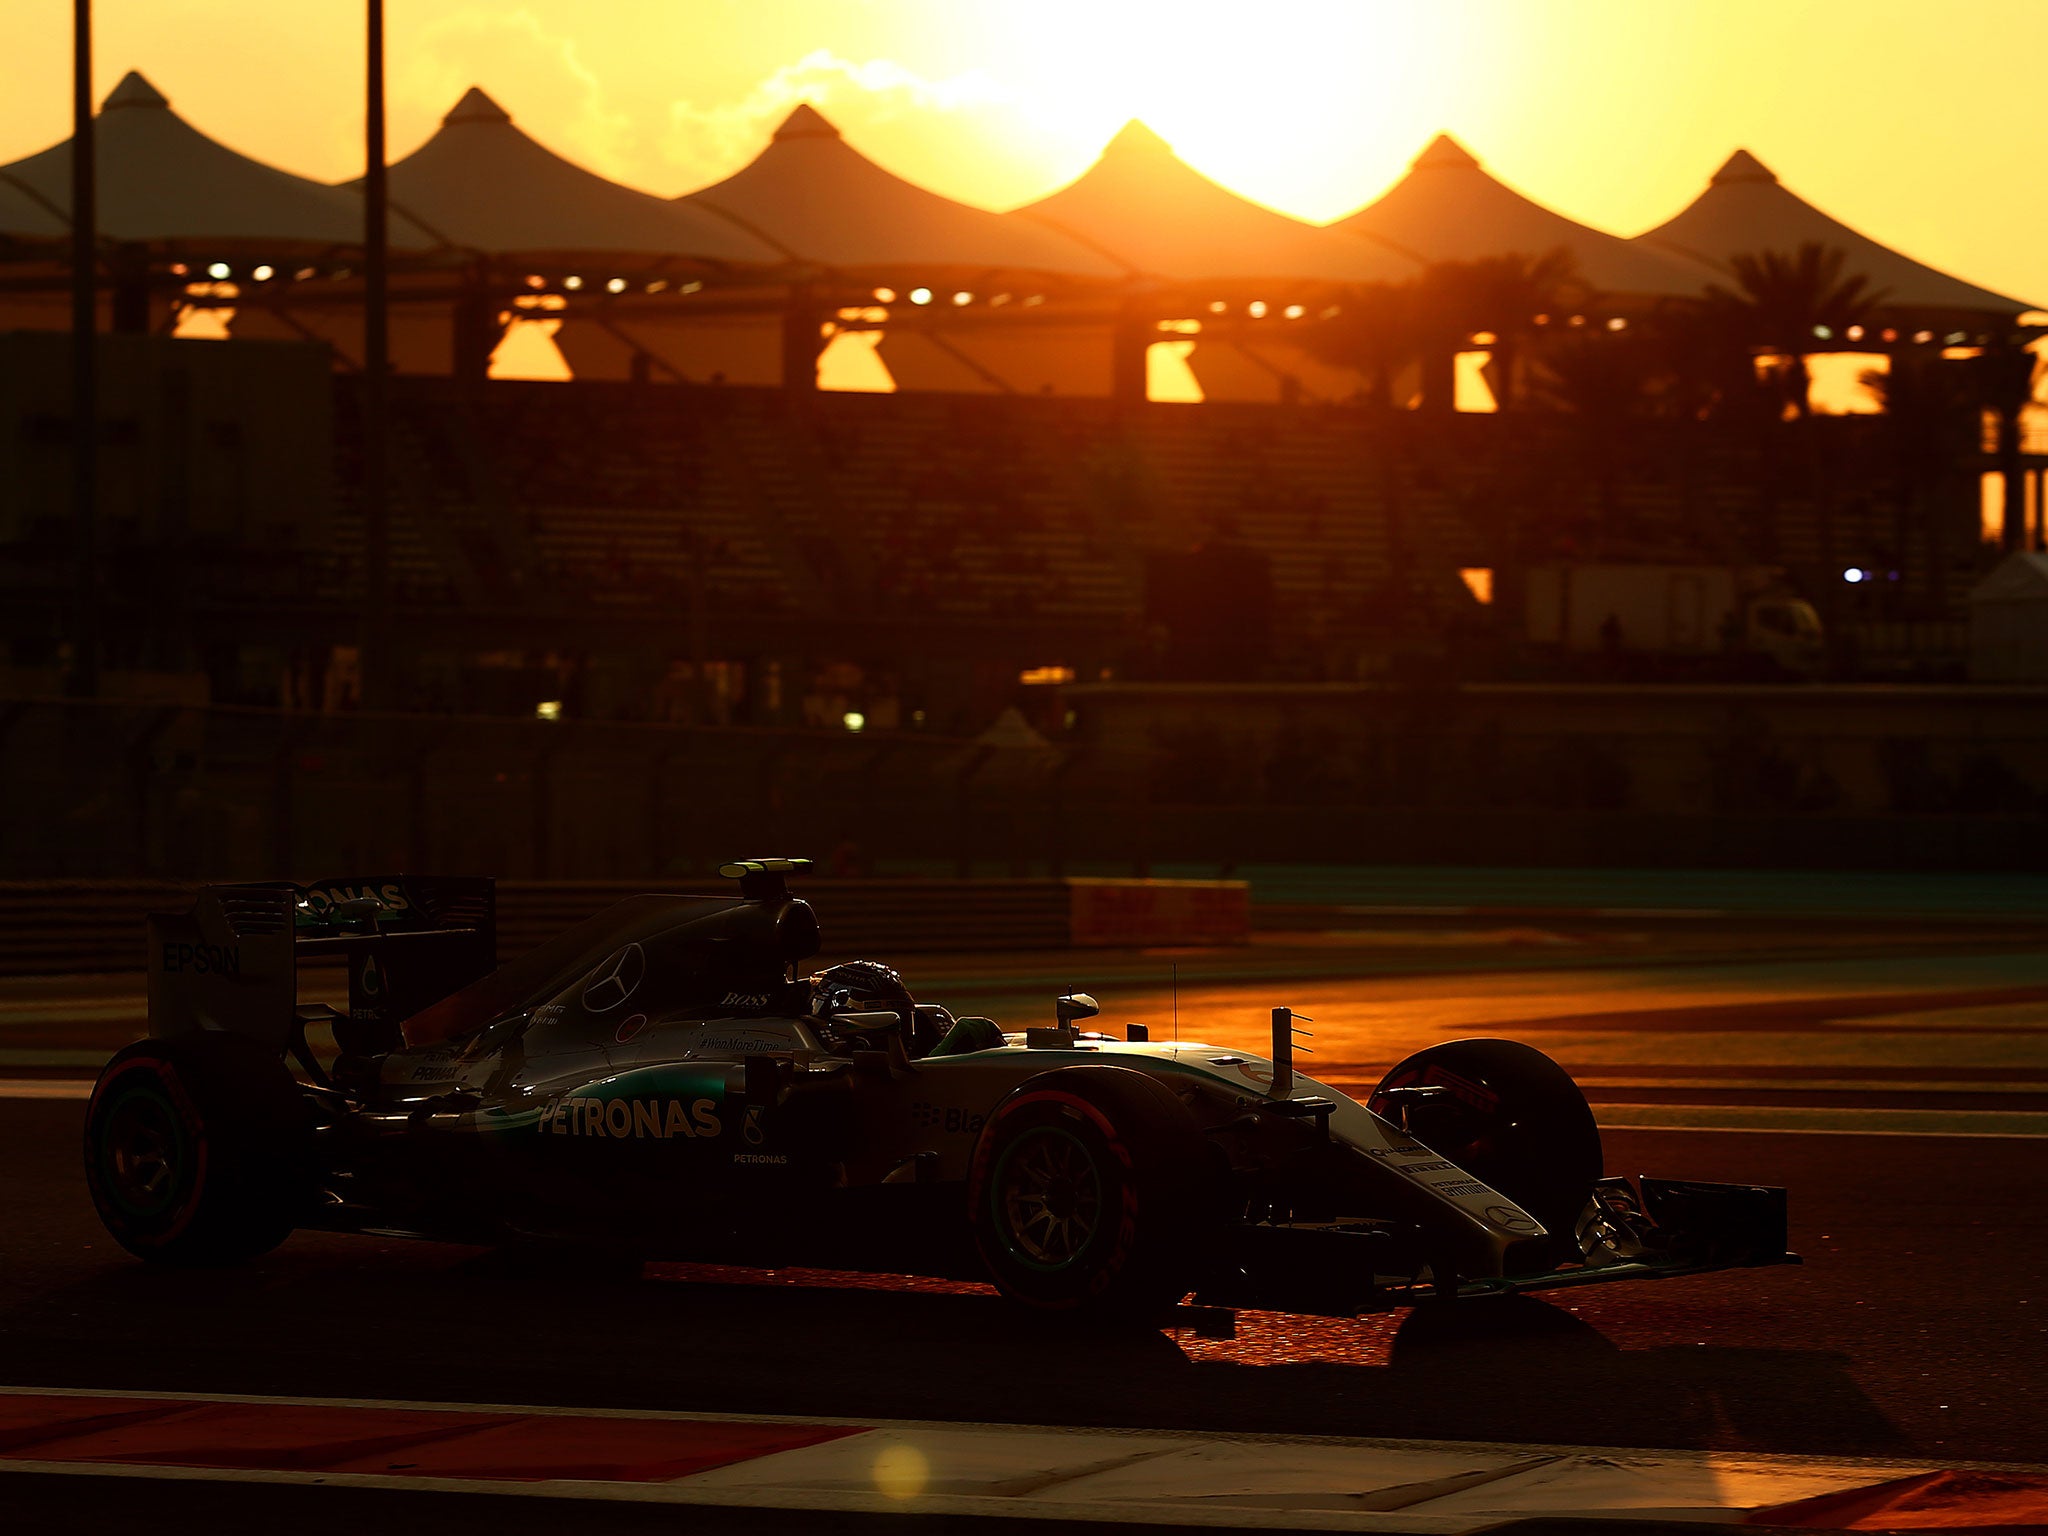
{"x": 373, "y": 652}
{"x": 84, "y": 679}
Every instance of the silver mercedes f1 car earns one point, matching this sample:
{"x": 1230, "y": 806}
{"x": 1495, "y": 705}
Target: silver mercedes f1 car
{"x": 660, "y": 1081}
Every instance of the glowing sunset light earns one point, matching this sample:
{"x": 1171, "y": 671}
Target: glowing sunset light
{"x": 1607, "y": 110}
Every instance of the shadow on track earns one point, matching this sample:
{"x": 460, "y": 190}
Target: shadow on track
{"x": 370, "y": 1317}
{"x": 336, "y": 1317}
{"x": 1518, "y": 1363}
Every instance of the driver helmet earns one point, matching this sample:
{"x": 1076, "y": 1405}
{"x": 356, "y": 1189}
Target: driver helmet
{"x": 868, "y": 986}
{"x": 861, "y": 986}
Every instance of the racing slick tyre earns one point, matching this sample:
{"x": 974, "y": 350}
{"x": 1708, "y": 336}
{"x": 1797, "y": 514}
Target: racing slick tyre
{"x": 1512, "y": 1118}
{"x": 1090, "y": 1192}
{"x": 197, "y": 1149}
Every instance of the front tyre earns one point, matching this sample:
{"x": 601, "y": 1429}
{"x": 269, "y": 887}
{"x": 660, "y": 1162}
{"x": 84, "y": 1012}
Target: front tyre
{"x": 197, "y": 1149}
{"x": 1513, "y": 1119}
{"x": 1090, "y": 1192}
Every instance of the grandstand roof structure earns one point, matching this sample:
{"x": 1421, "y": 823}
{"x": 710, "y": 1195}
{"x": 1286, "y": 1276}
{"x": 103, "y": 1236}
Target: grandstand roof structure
{"x": 1745, "y": 208}
{"x": 163, "y": 183}
{"x": 817, "y": 199}
{"x": 1450, "y": 208}
{"x": 483, "y": 185}
{"x": 1159, "y": 217}
{"x": 25, "y": 217}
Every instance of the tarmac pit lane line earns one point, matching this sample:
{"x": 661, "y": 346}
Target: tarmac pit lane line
{"x": 1135, "y": 1476}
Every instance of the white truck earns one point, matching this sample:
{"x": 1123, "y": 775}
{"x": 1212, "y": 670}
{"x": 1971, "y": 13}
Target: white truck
{"x": 1673, "y": 610}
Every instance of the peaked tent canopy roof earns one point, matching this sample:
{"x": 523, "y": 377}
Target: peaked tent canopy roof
{"x": 2019, "y": 578}
{"x": 820, "y": 200}
{"x": 1746, "y": 209}
{"x": 25, "y": 217}
{"x": 1159, "y": 216}
{"x": 482, "y": 184}
{"x": 163, "y": 182}
{"x": 1448, "y": 208}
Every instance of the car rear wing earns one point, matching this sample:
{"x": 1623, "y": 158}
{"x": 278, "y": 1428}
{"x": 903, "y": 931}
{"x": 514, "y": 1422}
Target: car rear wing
{"x": 231, "y": 962}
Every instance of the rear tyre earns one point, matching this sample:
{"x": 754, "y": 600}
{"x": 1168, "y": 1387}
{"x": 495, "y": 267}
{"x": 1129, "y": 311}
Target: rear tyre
{"x": 198, "y": 1149}
{"x": 1091, "y": 1192}
{"x": 1512, "y": 1118}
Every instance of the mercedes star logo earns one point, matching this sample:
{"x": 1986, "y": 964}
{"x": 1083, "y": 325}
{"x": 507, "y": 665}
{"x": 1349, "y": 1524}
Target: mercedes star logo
{"x": 615, "y": 981}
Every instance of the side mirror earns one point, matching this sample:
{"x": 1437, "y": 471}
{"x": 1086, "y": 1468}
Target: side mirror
{"x": 1076, "y": 1005}
{"x": 361, "y": 909}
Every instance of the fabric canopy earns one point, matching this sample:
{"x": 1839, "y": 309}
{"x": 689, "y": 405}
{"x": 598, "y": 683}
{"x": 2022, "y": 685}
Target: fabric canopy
{"x": 1745, "y": 209}
{"x": 162, "y": 182}
{"x": 821, "y": 201}
{"x": 1448, "y": 208}
{"x": 24, "y": 217}
{"x": 483, "y": 185}
{"x": 1161, "y": 218}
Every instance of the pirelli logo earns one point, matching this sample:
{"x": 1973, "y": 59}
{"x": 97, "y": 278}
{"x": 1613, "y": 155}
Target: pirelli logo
{"x": 631, "y": 1119}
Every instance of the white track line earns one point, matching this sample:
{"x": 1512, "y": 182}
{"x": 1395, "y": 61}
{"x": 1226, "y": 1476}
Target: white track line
{"x": 816, "y": 1477}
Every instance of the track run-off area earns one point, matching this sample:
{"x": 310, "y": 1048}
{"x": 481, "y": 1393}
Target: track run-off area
{"x": 1896, "y": 1082}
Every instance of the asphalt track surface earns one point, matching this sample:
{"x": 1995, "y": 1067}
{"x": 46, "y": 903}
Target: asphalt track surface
{"x": 1898, "y": 1087}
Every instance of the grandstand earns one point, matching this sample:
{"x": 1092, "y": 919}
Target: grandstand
{"x": 951, "y": 541}
{"x": 693, "y": 505}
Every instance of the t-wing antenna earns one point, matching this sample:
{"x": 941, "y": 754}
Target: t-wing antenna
{"x": 1283, "y": 1049}
{"x": 762, "y": 879}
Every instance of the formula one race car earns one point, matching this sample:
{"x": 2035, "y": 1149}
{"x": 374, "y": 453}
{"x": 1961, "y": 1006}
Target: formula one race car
{"x": 658, "y": 1081}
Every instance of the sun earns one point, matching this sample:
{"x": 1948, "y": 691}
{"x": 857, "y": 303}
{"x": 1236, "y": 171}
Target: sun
{"x": 1301, "y": 104}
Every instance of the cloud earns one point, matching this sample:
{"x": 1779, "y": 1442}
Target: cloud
{"x": 554, "y": 95}
{"x": 708, "y": 141}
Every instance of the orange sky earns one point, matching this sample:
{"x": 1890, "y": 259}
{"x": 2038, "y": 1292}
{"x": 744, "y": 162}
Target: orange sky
{"x": 1916, "y": 122}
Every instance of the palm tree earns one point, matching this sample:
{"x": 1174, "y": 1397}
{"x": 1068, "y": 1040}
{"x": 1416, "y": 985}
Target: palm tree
{"x": 1503, "y": 295}
{"x": 1701, "y": 365}
{"x": 1374, "y": 331}
{"x": 1383, "y": 327}
{"x": 1603, "y": 379}
{"x": 1789, "y": 302}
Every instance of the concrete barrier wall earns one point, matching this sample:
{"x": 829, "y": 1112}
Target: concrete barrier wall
{"x": 85, "y": 926}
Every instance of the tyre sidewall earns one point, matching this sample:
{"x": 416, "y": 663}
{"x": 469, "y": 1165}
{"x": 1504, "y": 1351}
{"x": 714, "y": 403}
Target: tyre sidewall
{"x": 148, "y": 1083}
{"x": 240, "y": 1174}
{"x": 1543, "y": 1147}
{"x": 1147, "y": 1163}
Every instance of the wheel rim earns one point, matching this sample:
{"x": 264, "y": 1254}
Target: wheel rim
{"x": 145, "y": 1152}
{"x": 1047, "y": 1194}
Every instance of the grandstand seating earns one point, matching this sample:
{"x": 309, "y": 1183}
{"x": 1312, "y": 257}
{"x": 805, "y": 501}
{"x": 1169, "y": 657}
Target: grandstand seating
{"x": 1028, "y": 512}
